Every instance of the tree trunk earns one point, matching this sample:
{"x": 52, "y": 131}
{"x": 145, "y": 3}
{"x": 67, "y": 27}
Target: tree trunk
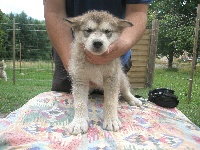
{"x": 170, "y": 59}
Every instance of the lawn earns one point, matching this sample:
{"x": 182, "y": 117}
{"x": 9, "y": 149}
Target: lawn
{"x": 32, "y": 79}
{"x": 36, "y": 78}
{"x": 178, "y": 80}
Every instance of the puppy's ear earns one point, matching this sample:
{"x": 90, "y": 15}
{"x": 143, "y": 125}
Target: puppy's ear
{"x": 72, "y": 22}
{"x": 124, "y": 23}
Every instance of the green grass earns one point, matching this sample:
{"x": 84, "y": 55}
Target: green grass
{"x": 178, "y": 80}
{"x": 36, "y": 78}
{"x": 33, "y": 79}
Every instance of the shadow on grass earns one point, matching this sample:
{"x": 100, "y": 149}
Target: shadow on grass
{"x": 171, "y": 69}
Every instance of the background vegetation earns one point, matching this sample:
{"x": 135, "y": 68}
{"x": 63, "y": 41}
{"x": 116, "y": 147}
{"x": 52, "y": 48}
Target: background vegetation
{"x": 176, "y": 30}
{"x": 176, "y": 34}
{"x": 31, "y": 33}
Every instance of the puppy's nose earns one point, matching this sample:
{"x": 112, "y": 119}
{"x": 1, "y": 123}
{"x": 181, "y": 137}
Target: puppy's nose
{"x": 97, "y": 44}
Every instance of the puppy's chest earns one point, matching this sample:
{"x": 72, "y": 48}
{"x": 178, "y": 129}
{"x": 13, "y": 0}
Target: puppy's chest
{"x": 98, "y": 73}
{"x": 96, "y": 76}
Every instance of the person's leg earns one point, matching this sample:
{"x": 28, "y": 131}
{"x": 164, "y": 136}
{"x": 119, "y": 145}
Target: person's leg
{"x": 127, "y": 66}
{"x": 61, "y": 79}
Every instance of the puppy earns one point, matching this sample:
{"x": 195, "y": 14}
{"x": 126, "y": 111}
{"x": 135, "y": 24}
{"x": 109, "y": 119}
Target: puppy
{"x": 95, "y": 31}
{"x": 2, "y": 70}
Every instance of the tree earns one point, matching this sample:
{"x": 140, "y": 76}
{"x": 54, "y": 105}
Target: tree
{"x": 3, "y": 35}
{"x": 177, "y": 20}
{"x": 32, "y": 35}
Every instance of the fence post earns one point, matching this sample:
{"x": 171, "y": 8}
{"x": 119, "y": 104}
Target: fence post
{"x": 20, "y": 56}
{"x": 14, "y": 70}
{"x": 194, "y": 54}
{"x": 152, "y": 52}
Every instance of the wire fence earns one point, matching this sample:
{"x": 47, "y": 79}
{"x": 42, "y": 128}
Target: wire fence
{"x": 28, "y": 53}
{"x": 29, "y": 71}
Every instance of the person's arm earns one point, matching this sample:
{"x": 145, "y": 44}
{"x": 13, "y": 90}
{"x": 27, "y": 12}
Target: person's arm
{"x": 59, "y": 33}
{"x": 135, "y": 13}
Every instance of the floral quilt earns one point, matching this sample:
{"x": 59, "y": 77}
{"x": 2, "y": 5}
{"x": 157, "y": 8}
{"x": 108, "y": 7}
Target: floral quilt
{"x": 41, "y": 125}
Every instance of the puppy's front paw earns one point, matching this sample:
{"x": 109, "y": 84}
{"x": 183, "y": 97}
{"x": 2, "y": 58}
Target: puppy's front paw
{"x": 78, "y": 125}
{"x": 112, "y": 124}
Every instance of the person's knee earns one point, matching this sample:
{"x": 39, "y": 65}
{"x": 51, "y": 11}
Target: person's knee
{"x": 61, "y": 80}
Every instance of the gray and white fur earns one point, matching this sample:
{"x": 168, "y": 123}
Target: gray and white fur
{"x": 2, "y": 70}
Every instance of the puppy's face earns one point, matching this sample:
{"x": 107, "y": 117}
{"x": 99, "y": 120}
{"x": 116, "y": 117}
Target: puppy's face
{"x": 97, "y": 36}
{"x": 97, "y": 30}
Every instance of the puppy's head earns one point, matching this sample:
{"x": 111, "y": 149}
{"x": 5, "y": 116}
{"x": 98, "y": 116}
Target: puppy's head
{"x": 96, "y": 30}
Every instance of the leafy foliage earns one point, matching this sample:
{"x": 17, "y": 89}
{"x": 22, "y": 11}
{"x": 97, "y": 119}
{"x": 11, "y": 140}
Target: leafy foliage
{"x": 3, "y": 35}
{"x": 176, "y": 29}
{"x": 29, "y": 32}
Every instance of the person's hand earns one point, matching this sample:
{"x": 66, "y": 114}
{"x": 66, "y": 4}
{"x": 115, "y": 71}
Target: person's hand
{"x": 115, "y": 50}
{"x": 99, "y": 59}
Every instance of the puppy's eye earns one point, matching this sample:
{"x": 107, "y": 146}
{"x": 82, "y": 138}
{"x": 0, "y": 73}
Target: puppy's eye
{"x": 107, "y": 31}
{"x": 88, "y": 30}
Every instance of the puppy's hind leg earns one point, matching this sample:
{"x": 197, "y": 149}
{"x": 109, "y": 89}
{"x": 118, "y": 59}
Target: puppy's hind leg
{"x": 80, "y": 121}
{"x": 126, "y": 93}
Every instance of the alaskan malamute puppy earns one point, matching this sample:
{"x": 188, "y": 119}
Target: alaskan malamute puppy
{"x": 95, "y": 31}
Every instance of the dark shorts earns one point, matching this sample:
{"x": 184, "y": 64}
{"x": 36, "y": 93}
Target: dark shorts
{"x": 61, "y": 79}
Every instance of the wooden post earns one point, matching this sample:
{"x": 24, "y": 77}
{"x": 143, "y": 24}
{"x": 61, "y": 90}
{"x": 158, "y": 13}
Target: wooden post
{"x": 14, "y": 70}
{"x": 20, "y": 57}
{"x": 152, "y": 52}
{"x": 194, "y": 54}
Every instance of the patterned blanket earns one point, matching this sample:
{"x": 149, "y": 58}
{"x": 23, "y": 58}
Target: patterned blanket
{"x": 41, "y": 125}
